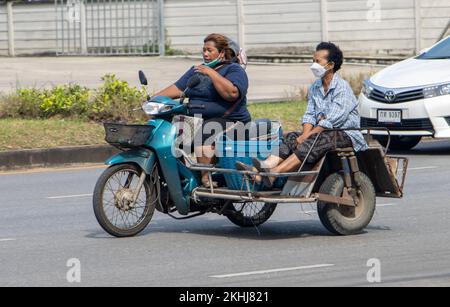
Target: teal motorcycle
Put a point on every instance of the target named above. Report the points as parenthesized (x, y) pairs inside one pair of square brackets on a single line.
[(151, 173)]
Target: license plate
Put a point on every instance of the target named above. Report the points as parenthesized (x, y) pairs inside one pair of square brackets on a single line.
[(389, 116)]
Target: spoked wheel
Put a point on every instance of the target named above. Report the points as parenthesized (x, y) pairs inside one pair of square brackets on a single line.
[(345, 220), (113, 200), (250, 214)]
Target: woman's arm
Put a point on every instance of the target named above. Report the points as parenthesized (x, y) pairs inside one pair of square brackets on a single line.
[(172, 92), (224, 87)]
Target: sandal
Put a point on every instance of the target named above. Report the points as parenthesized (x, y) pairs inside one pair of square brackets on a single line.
[(207, 184), (268, 181), (244, 167)]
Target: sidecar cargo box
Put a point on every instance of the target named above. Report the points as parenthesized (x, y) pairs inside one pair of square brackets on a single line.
[(387, 173), (263, 139)]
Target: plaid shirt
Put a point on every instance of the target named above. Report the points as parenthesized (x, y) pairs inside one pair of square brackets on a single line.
[(338, 107)]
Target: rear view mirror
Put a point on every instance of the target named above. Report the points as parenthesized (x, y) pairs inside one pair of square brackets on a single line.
[(143, 78)]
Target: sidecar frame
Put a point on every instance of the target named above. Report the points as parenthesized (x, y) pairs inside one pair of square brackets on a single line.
[(303, 186)]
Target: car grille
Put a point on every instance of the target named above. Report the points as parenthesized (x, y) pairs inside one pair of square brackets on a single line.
[(405, 125), (412, 95)]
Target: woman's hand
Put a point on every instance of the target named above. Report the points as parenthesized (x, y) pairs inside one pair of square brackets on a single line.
[(300, 140), (224, 87), (205, 70)]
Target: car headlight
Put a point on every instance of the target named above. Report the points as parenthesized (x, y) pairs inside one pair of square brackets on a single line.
[(154, 108), (367, 89), (436, 90)]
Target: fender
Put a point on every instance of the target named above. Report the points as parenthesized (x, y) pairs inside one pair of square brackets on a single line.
[(145, 158)]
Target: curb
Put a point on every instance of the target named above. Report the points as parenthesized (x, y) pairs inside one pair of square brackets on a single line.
[(277, 59), (20, 159)]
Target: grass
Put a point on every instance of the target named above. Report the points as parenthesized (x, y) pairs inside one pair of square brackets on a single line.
[(17, 134), (289, 113)]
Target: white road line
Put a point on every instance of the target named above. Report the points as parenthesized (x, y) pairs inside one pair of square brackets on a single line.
[(386, 205), (421, 168), (69, 196), (7, 240), (273, 271)]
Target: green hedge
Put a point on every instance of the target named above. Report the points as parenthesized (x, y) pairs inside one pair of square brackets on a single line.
[(113, 100)]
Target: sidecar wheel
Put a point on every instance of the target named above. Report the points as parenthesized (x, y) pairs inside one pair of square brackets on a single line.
[(344, 220), (111, 196), (250, 214)]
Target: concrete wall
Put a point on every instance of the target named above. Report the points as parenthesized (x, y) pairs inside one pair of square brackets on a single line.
[(367, 27)]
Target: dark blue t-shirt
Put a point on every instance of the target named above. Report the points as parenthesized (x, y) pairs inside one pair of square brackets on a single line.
[(206, 95)]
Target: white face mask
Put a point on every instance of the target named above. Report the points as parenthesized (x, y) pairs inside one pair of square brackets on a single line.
[(318, 70)]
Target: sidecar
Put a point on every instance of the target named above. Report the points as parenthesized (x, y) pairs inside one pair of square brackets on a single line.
[(344, 184)]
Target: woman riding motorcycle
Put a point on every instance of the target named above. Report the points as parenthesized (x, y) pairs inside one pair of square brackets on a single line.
[(221, 96)]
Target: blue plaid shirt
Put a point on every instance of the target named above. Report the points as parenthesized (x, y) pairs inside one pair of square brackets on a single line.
[(338, 106)]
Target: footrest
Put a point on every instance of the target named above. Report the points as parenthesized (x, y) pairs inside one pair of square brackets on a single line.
[(346, 149)]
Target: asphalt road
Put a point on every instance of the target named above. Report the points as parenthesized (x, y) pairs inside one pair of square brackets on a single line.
[(46, 218), (269, 82)]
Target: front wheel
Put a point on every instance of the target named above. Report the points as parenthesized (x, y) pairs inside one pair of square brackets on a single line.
[(345, 220), (113, 200), (250, 214)]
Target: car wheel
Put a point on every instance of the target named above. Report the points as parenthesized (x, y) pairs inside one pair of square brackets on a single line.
[(399, 142)]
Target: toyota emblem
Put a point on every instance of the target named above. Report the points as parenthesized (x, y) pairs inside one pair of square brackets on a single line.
[(390, 96)]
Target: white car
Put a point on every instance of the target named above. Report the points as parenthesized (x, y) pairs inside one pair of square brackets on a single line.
[(410, 98)]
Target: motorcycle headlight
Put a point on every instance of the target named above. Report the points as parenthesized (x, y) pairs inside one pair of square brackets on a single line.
[(154, 108), (366, 89), (436, 90)]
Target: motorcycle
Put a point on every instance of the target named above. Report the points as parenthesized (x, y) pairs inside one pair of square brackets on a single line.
[(150, 174)]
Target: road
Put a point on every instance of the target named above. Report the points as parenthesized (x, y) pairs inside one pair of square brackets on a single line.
[(47, 219), (268, 82)]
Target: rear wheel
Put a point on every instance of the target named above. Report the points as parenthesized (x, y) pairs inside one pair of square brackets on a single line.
[(250, 214), (345, 220), (399, 142), (113, 196)]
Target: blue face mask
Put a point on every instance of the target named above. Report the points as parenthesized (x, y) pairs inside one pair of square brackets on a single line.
[(213, 63)]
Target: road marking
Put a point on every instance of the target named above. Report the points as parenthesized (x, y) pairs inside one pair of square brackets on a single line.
[(421, 168), (7, 240), (273, 271), (53, 170), (386, 205), (69, 196)]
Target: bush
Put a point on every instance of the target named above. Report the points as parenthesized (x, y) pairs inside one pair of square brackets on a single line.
[(114, 100), (69, 100), (25, 103), (356, 81)]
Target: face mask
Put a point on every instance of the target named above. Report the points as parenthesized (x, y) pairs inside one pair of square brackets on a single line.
[(318, 70), (213, 63)]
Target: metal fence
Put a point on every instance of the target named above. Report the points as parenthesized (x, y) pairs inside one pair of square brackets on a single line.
[(108, 27)]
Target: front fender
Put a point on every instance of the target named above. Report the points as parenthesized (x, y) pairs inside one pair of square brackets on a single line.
[(145, 158)]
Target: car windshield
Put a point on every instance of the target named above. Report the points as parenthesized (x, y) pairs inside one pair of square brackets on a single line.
[(440, 51)]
